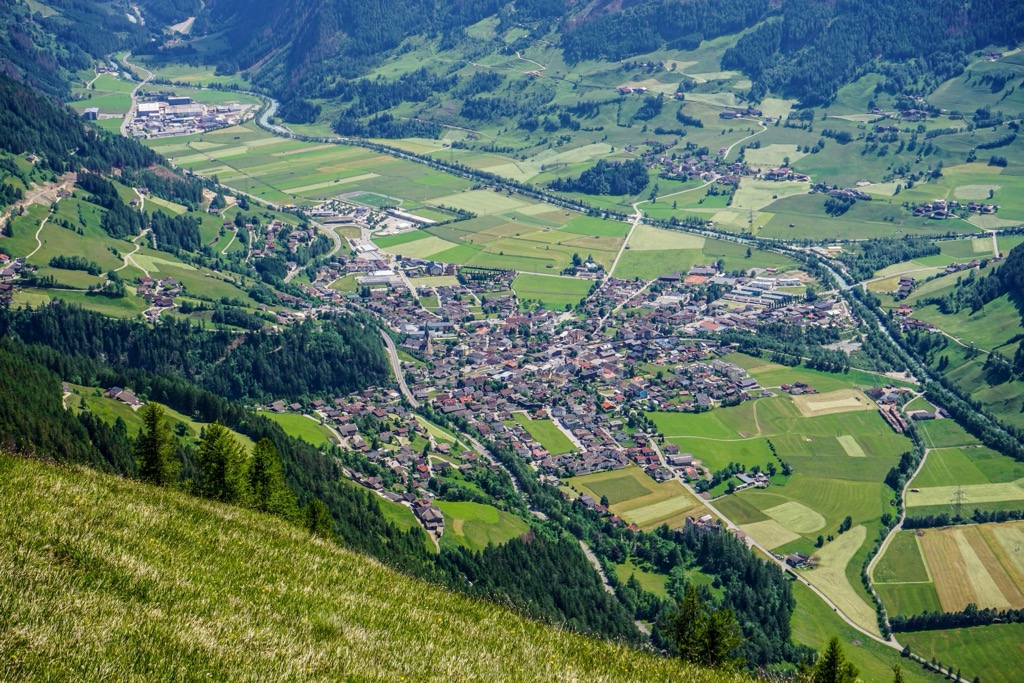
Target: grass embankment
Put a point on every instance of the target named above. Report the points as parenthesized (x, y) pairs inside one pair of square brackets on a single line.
[(106, 579)]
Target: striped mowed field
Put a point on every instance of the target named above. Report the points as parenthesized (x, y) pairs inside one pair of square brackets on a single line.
[(639, 499), (980, 564)]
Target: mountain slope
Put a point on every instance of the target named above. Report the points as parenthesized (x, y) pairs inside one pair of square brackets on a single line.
[(148, 583), (802, 49)]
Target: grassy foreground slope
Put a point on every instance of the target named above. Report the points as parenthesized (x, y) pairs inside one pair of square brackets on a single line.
[(106, 579)]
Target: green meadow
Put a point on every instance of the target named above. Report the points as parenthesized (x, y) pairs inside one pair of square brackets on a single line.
[(475, 526), (546, 432), (262, 595), (555, 293), (302, 427)]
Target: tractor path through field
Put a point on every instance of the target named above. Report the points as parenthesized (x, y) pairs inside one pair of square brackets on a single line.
[(42, 224), (234, 234), (757, 423), (128, 260), (324, 423), (899, 525), (995, 244), (728, 150), (638, 217), (540, 67)]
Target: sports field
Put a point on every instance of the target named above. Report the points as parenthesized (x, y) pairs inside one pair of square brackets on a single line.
[(474, 526), (639, 499), (952, 567)]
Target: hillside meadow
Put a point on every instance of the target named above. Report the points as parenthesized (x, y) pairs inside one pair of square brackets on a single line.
[(106, 579)]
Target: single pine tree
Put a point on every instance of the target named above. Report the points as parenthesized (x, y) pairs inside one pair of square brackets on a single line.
[(267, 486), (220, 461), (154, 449)]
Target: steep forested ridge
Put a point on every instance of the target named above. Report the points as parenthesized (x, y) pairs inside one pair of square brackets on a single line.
[(308, 47), (46, 51), (813, 48), (300, 49), (648, 26), (343, 354), (553, 578), (31, 122)]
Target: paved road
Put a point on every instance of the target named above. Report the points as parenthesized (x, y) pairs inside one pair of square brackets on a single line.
[(134, 94), (592, 558), (396, 367), (768, 553), (771, 556)]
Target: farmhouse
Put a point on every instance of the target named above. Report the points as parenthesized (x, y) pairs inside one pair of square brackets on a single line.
[(126, 396)]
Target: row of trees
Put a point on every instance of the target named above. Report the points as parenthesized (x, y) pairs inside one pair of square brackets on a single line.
[(977, 517), (873, 255)]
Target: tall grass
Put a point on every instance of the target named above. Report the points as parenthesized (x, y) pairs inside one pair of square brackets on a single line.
[(106, 579)]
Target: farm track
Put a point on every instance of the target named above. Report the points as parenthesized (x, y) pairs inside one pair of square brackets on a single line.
[(128, 260), (42, 224)]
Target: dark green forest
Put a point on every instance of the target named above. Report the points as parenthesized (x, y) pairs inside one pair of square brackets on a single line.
[(31, 122), (614, 178), (811, 49), (45, 51), (340, 355)]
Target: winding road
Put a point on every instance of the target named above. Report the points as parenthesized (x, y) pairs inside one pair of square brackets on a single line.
[(42, 224), (134, 94)]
